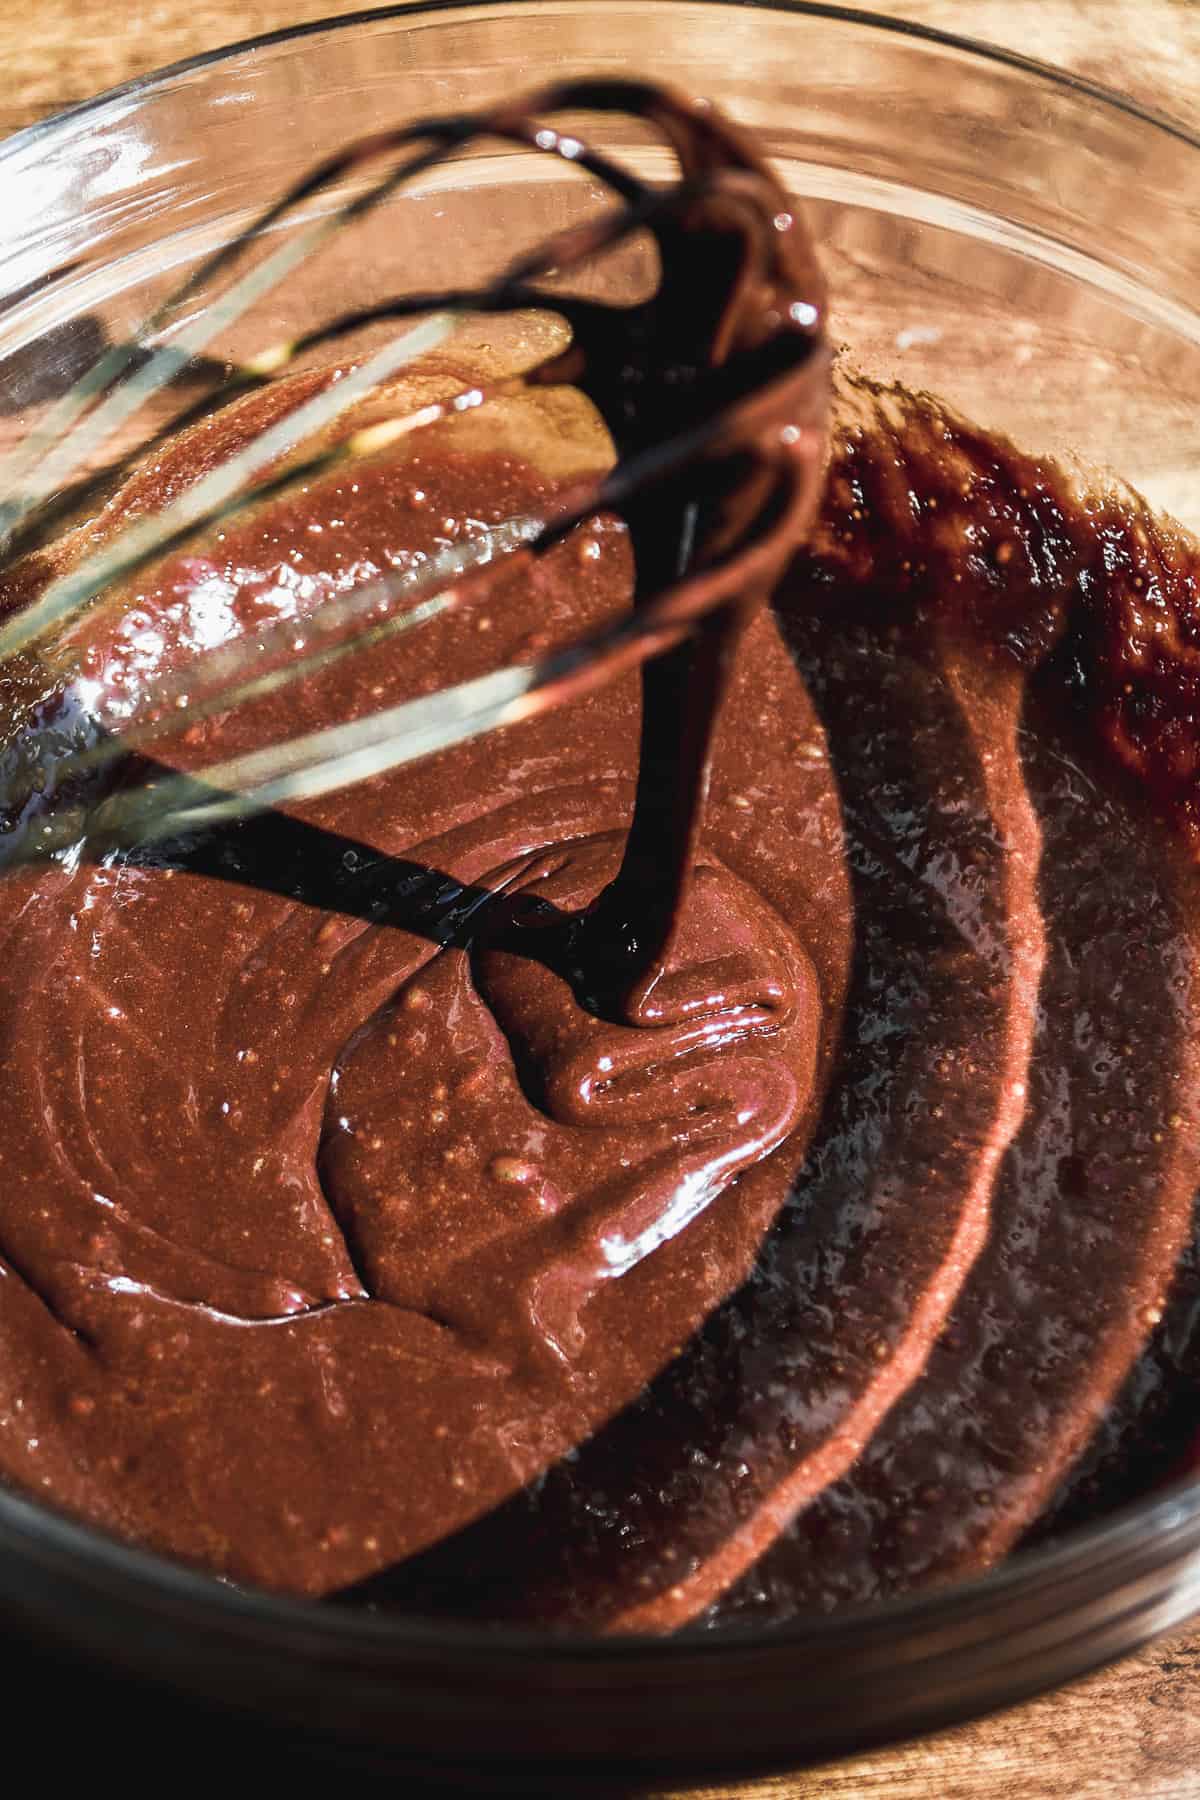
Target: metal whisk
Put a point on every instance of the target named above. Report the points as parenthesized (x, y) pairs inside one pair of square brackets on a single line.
[(713, 391)]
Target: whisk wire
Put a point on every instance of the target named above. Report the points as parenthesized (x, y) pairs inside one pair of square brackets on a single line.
[(60, 444), (212, 497), (360, 619), (319, 762)]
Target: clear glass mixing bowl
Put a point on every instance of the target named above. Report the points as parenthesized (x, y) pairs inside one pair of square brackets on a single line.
[(1016, 240)]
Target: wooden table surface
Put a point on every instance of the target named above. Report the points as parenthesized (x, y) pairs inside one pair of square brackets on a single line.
[(1134, 1730)]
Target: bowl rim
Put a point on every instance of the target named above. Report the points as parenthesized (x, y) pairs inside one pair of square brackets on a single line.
[(1067, 80), (50, 1541)]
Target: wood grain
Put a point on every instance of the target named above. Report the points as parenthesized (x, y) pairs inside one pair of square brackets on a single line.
[(1132, 1731)]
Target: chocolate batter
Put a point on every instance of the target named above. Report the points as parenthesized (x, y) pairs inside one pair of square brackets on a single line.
[(453, 1193)]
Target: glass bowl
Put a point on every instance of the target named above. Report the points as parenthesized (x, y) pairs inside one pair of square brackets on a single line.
[(1014, 239)]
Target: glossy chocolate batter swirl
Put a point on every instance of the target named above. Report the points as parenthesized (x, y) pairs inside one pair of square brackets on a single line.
[(716, 1148)]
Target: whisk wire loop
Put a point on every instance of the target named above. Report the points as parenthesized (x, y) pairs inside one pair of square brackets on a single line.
[(721, 394)]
